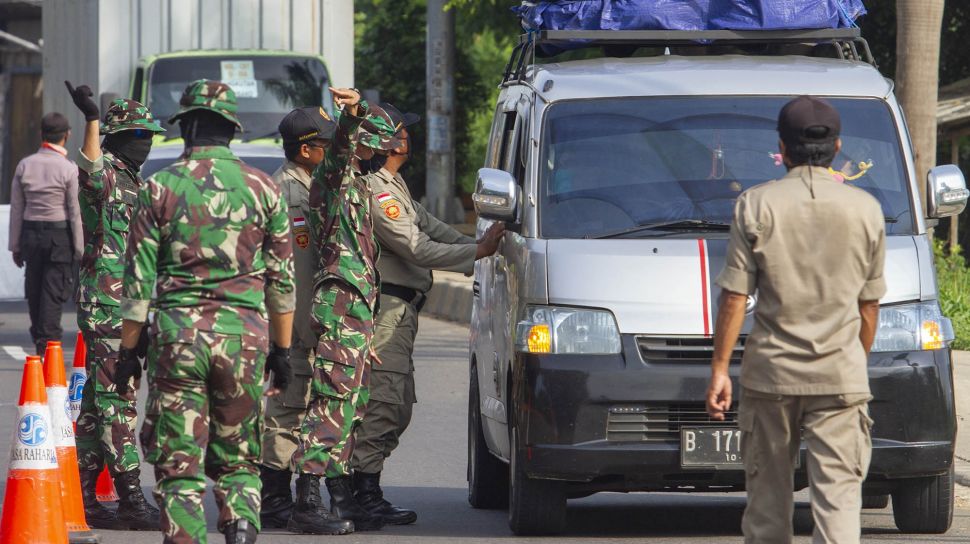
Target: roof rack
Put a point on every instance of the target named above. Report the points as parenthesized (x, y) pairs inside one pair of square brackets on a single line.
[(848, 43)]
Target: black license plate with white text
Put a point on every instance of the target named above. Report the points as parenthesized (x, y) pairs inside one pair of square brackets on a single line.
[(710, 447)]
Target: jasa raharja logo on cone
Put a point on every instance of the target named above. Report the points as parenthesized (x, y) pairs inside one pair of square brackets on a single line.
[(75, 390), (34, 447), (33, 430)]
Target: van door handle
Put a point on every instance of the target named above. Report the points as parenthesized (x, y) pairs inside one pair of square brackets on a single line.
[(476, 289)]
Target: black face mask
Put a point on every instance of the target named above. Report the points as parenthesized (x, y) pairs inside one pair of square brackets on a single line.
[(206, 128), (372, 164), (131, 150)]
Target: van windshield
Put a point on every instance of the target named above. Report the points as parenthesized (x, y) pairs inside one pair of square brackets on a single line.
[(267, 87), (613, 164)]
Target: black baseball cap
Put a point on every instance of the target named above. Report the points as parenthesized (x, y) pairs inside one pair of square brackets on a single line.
[(305, 124), (401, 120), (54, 123), (808, 119)]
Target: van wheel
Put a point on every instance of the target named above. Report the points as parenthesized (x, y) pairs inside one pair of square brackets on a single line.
[(488, 477), (536, 507), (875, 502), (924, 505)]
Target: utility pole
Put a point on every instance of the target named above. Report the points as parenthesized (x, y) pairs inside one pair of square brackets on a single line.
[(440, 194)]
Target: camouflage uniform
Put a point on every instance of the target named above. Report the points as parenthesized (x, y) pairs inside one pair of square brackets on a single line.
[(108, 190), (285, 412), (212, 236), (344, 300)]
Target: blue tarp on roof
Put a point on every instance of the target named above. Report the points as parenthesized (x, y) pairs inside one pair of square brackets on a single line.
[(689, 14)]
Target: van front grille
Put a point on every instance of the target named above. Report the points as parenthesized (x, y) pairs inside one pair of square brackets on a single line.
[(659, 422), (689, 349)]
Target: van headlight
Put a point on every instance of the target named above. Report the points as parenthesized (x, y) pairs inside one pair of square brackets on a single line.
[(911, 327), (551, 329)]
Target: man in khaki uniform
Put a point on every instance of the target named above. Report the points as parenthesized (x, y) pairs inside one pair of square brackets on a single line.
[(412, 242), (305, 133), (813, 249)]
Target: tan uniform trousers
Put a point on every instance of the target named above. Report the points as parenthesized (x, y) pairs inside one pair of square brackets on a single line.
[(285, 413), (392, 394), (836, 431)]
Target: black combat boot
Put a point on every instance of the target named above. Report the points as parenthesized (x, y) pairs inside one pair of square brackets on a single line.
[(371, 497), (95, 513), (134, 512), (240, 532), (344, 505), (309, 516), (277, 501)]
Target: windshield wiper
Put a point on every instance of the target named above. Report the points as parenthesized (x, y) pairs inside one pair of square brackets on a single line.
[(683, 224)]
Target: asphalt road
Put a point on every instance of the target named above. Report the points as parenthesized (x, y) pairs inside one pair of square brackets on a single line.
[(427, 472)]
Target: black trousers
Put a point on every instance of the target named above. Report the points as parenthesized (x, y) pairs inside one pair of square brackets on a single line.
[(47, 253)]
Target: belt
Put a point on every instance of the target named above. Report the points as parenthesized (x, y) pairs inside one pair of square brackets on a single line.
[(411, 296), (44, 225)]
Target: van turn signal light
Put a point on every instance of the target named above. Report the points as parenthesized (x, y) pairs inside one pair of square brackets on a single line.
[(540, 339), (932, 335)]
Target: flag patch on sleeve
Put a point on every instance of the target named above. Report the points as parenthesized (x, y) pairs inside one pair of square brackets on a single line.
[(299, 222)]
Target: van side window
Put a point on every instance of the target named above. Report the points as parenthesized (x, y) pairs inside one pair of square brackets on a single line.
[(508, 149), (494, 152)]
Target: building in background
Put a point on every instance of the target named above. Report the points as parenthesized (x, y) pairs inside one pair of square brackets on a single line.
[(21, 87)]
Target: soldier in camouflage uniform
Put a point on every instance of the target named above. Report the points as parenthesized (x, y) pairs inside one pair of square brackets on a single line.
[(343, 320), (211, 236), (109, 182), (306, 133)]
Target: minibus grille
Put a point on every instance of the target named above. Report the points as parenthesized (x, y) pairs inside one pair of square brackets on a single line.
[(659, 422), (689, 349)]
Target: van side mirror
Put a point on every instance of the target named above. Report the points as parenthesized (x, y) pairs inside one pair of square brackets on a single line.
[(496, 195), (946, 191)]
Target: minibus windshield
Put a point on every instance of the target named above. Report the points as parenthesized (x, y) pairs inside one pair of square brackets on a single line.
[(609, 165)]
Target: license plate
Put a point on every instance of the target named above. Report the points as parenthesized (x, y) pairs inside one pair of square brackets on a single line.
[(710, 447)]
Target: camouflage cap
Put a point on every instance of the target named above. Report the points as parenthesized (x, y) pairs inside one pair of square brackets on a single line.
[(378, 130), (127, 114), (206, 94)]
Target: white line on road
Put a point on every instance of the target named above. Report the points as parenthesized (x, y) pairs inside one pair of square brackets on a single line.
[(17, 353)]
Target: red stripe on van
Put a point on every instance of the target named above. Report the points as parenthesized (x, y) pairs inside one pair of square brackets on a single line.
[(705, 289)]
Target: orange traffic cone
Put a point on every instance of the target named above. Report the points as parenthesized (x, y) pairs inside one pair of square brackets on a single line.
[(32, 503), (79, 376), (78, 531)]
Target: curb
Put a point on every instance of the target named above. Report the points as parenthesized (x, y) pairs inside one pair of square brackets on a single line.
[(450, 300)]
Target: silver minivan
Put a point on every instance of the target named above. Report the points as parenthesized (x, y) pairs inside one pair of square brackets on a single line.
[(591, 330)]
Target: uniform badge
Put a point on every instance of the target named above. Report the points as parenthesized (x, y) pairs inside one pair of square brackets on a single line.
[(390, 205), (301, 233)]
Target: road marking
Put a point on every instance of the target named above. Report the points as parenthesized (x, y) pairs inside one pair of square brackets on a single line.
[(17, 353)]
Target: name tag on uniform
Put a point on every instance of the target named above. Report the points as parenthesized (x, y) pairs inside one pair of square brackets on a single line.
[(301, 233)]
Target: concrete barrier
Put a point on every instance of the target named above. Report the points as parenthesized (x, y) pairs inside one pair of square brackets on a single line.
[(450, 298)]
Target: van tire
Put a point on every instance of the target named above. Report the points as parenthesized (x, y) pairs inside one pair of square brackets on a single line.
[(536, 507), (488, 476), (924, 505)]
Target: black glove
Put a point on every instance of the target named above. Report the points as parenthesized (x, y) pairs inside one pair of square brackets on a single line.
[(126, 368), (82, 99), (141, 348), (278, 362)]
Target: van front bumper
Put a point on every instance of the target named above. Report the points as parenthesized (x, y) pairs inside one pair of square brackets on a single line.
[(564, 404)]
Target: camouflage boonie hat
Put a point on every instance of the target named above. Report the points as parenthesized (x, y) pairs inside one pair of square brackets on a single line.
[(378, 130), (205, 94), (127, 114)]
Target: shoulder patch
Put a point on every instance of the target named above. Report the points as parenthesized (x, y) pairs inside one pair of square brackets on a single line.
[(392, 209)]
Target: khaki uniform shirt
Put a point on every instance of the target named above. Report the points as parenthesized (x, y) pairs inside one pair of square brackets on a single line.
[(412, 240), (812, 248), (294, 183)]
